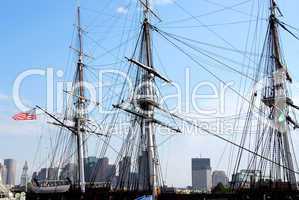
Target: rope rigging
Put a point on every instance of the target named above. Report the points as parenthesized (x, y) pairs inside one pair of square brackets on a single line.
[(132, 151)]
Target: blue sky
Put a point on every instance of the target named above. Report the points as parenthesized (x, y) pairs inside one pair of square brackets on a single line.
[(37, 34)]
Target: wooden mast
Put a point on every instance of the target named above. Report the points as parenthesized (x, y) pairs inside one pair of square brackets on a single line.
[(80, 117), (147, 99), (280, 112)]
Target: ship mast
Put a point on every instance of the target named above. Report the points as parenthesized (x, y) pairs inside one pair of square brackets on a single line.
[(272, 139), (143, 105), (80, 108), (280, 106), (147, 99)]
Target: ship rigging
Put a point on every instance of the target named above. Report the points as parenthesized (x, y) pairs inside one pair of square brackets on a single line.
[(137, 168)]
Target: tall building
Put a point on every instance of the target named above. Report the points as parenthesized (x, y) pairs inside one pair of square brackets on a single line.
[(34, 176), (1, 173), (42, 174), (111, 172), (90, 168), (4, 174), (11, 166), (101, 169), (124, 171), (69, 172), (52, 173), (219, 177), (143, 174), (245, 178), (24, 176), (201, 174)]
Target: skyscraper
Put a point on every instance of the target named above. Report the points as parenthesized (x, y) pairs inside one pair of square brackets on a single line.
[(70, 172), (90, 168), (11, 166), (52, 173), (111, 171), (24, 176), (219, 177), (201, 174), (42, 174), (101, 169), (1, 173), (142, 171), (124, 171)]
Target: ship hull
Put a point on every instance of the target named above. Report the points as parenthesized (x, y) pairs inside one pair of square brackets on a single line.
[(104, 194)]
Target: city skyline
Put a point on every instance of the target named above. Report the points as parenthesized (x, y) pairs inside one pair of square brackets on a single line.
[(99, 170)]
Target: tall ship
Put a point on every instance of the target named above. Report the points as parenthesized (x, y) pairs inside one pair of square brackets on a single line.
[(137, 110), (271, 165)]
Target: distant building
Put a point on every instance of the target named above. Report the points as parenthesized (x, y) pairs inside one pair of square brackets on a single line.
[(42, 174), (143, 172), (34, 176), (111, 172), (219, 177), (2, 174), (133, 177), (90, 168), (69, 172), (52, 173), (245, 178), (101, 169), (24, 176), (11, 166), (124, 172), (201, 174), (96, 170)]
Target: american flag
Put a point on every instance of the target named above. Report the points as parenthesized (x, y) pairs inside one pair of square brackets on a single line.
[(29, 115)]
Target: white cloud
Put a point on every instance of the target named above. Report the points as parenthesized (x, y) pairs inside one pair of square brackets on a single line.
[(162, 2), (122, 10)]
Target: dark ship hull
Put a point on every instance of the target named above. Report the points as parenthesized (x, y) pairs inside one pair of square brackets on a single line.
[(107, 194), (90, 194)]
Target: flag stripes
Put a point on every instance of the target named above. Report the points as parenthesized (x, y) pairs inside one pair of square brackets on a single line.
[(30, 115)]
